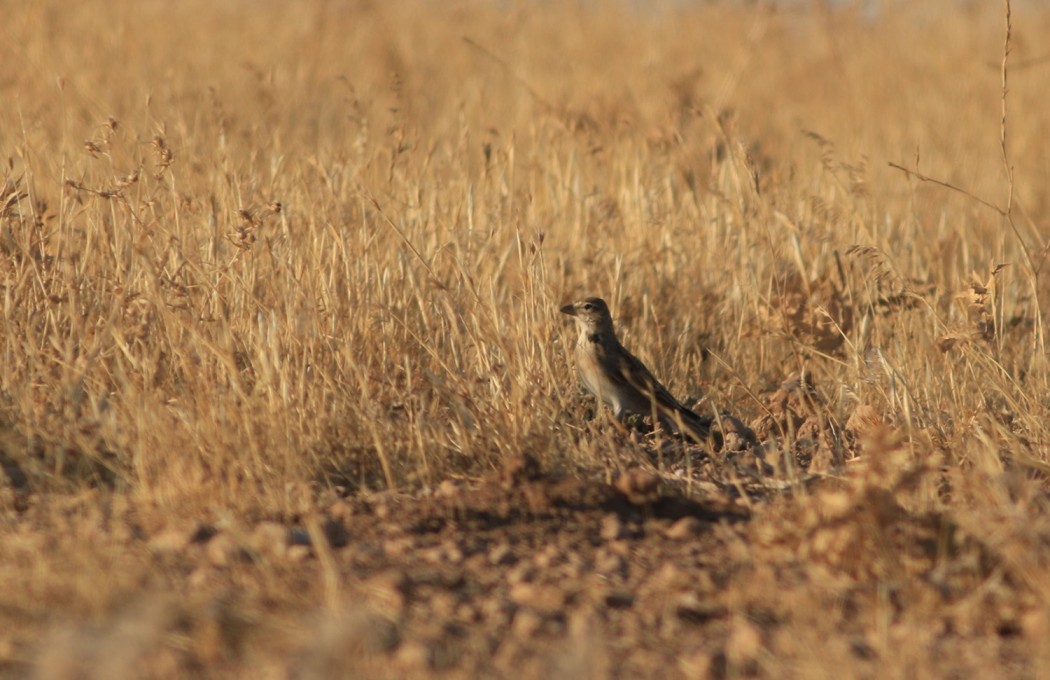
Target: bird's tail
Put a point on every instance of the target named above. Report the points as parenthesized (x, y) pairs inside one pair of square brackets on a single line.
[(690, 425)]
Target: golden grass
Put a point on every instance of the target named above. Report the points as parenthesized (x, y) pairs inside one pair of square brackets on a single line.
[(253, 255)]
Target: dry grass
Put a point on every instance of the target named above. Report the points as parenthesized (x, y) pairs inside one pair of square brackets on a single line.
[(254, 256)]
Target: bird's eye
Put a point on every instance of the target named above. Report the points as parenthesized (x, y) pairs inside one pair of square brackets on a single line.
[(588, 306)]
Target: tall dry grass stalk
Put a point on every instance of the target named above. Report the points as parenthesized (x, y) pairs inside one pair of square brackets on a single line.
[(331, 240)]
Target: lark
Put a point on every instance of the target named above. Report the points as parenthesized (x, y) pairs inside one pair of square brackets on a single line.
[(620, 379)]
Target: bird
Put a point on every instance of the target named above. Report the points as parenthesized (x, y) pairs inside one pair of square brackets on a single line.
[(618, 378)]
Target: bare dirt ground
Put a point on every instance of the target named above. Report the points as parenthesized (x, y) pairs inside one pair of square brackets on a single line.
[(531, 573)]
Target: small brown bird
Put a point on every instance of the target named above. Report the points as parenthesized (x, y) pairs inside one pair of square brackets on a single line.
[(620, 379)]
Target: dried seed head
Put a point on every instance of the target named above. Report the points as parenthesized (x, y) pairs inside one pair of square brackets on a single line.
[(129, 178)]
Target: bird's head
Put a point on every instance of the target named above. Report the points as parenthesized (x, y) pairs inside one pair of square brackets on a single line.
[(591, 314)]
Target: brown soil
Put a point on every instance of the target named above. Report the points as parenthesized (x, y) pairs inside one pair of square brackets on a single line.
[(530, 574)]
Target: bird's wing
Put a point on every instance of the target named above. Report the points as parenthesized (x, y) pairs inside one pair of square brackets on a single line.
[(636, 374), (630, 370)]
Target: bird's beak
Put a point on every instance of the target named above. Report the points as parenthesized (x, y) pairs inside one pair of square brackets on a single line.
[(568, 309)]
